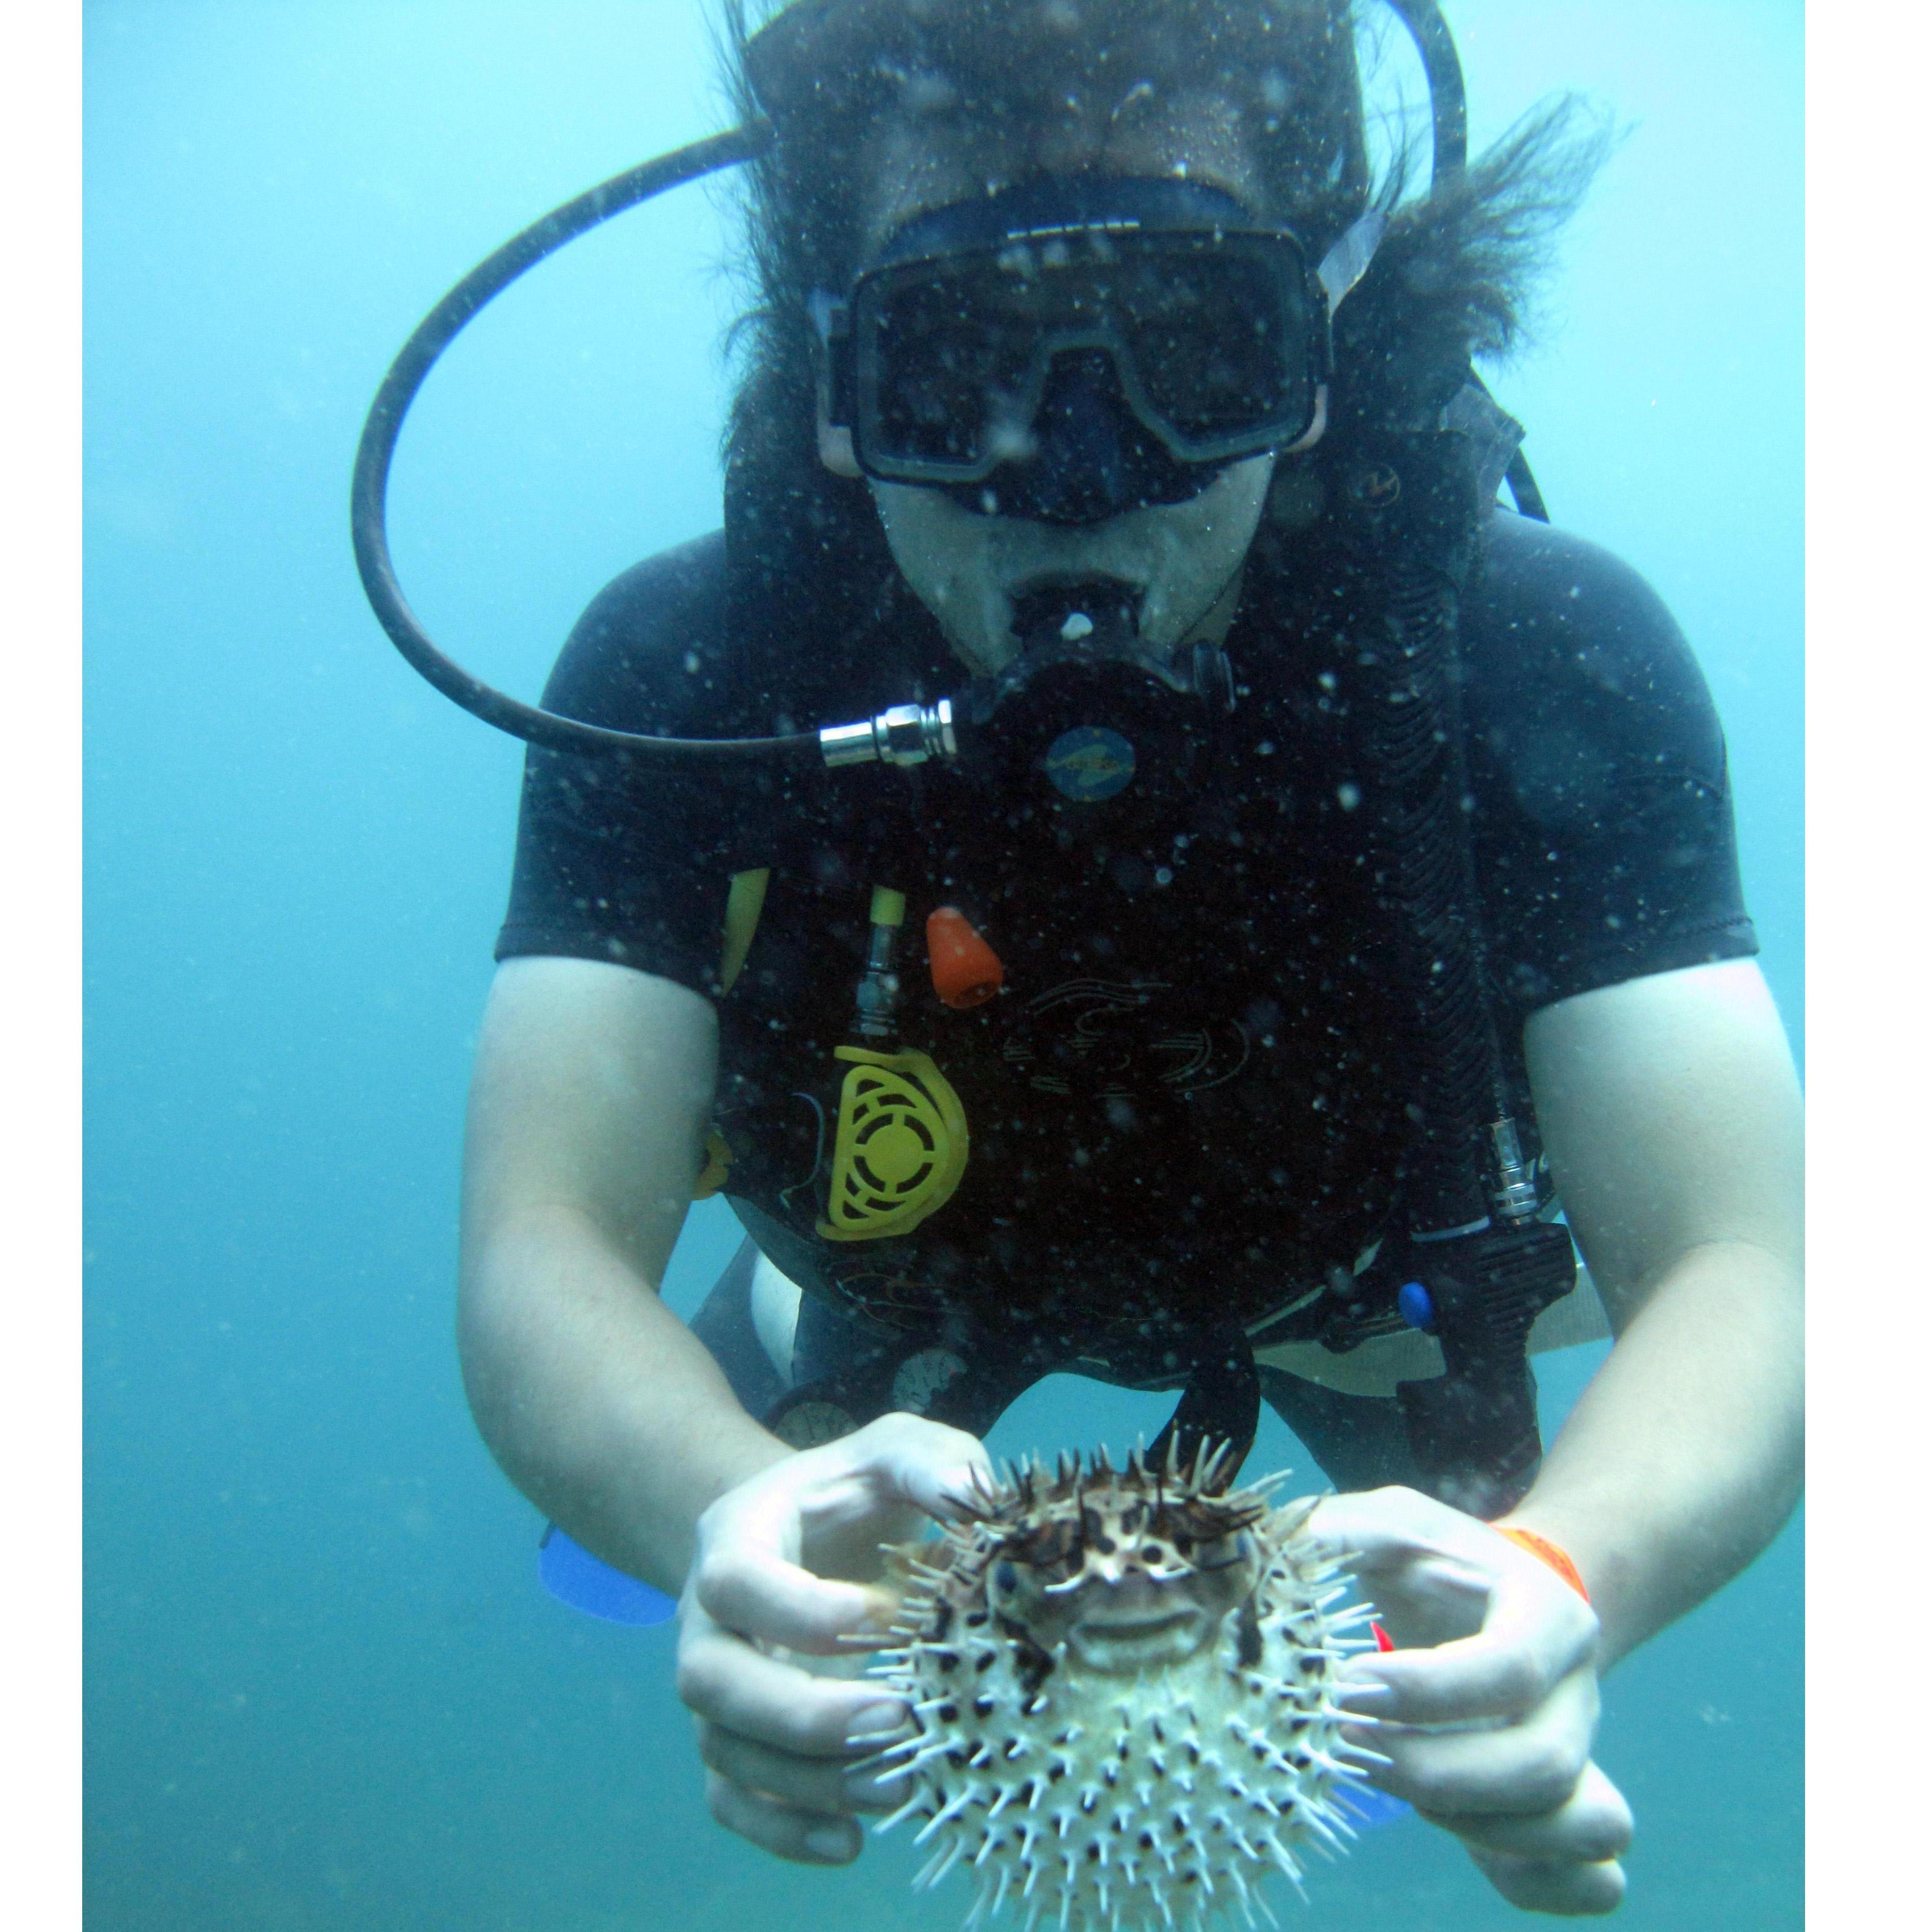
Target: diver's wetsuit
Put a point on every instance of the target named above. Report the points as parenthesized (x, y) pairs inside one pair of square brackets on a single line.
[(1189, 1101)]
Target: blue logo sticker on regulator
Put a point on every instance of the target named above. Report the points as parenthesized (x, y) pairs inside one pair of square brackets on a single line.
[(1090, 763)]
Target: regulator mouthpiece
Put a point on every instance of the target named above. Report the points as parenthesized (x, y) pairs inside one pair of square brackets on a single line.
[(1092, 625)]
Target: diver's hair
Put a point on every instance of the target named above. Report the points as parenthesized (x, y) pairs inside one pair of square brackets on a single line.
[(1452, 280), (1455, 279)]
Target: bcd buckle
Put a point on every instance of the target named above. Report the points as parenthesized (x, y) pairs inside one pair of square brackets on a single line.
[(901, 1147), (1473, 1428)]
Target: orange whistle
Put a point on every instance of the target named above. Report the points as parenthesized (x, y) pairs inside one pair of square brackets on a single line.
[(965, 969)]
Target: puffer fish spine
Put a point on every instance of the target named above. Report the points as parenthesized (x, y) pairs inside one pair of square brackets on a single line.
[(1124, 1688)]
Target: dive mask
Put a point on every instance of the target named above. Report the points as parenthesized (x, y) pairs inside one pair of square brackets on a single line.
[(950, 354)]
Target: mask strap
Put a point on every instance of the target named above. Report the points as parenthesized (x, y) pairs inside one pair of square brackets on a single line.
[(1347, 262)]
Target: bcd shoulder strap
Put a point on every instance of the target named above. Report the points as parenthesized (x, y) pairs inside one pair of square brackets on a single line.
[(1405, 507)]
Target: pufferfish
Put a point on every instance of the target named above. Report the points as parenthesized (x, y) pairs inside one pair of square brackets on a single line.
[(1125, 1693)]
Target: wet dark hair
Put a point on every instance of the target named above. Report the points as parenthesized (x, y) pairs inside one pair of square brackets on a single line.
[(1451, 281)]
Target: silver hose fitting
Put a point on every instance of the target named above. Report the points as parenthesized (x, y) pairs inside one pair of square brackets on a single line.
[(908, 734), (1515, 1192)]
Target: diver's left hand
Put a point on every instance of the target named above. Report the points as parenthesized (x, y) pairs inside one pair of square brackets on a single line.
[(1491, 1707)]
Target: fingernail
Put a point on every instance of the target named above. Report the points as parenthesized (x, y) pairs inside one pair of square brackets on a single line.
[(1355, 1687), (831, 1842), (1363, 1671), (875, 1723), (875, 1790), (880, 1611)]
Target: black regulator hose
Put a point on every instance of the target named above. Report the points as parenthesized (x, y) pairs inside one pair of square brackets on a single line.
[(369, 496), (1449, 157), (1448, 103), (907, 734)]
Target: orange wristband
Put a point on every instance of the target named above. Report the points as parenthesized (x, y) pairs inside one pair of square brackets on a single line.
[(1543, 1549)]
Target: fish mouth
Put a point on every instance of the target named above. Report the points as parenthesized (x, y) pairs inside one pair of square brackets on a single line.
[(1148, 1625), (1124, 1643)]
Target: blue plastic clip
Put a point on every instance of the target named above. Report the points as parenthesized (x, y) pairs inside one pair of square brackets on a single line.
[(1418, 1310)]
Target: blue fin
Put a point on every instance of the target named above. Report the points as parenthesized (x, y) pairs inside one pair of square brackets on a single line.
[(573, 1575)]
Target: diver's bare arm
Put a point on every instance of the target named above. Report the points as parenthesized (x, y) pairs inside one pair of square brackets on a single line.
[(591, 1088), (1671, 1112)]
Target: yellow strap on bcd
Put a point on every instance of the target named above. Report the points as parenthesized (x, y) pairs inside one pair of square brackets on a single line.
[(742, 904), (717, 1165), (901, 1148)]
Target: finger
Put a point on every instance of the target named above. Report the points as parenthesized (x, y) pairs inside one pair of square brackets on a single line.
[(1375, 1527), (743, 1585), (1593, 1825), (828, 1786), (1520, 1770), (1421, 1563), (773, 1702), (806, 1836), (924, 1463), (1530, 1640), (1570, 1891), (749, 1575)]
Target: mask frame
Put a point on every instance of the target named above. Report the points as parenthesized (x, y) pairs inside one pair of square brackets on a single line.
[(1070, 246)]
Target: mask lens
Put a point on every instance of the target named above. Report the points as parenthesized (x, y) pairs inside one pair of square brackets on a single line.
[(1212, 335), (946, 360), (1220, 341)]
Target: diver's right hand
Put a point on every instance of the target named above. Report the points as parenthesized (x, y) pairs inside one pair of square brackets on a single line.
[(789, 1561)]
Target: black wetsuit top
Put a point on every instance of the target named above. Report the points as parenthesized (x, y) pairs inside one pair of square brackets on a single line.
[(1191, 1095)]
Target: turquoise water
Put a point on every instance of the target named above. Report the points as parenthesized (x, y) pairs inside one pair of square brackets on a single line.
[(324, 1688)]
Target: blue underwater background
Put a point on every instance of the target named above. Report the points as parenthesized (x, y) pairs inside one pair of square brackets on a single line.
[(325, 1689)]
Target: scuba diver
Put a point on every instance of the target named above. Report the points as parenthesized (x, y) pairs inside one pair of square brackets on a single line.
[(1267, 876)]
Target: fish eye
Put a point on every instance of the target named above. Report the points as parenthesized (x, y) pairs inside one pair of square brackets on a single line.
[(1151, 1554), (1006, 1578)]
